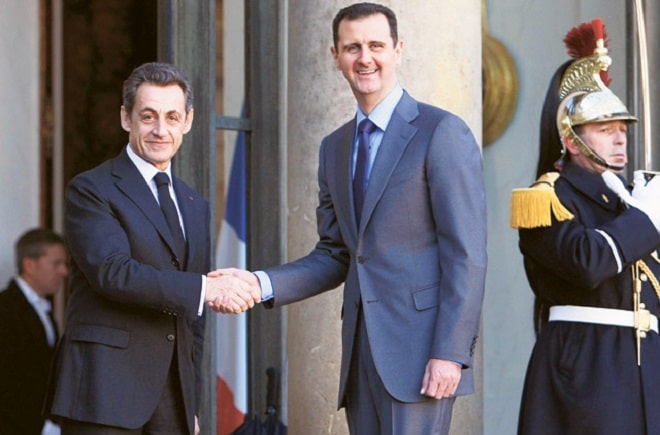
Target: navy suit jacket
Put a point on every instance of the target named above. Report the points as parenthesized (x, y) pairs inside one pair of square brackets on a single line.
[(25, 358), (417, 262), (133, 302)]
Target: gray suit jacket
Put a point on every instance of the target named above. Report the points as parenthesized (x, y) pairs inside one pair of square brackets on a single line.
[(133, 306), (417, 262)]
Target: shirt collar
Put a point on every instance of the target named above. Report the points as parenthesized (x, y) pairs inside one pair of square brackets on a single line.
[(33, 298), (147, 170), (383, 111)]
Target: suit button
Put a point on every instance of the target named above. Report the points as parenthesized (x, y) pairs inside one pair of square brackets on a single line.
[(360, 259), (170, 337), (175, 263)]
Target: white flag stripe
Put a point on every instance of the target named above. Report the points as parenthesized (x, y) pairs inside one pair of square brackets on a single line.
[(232, 329)]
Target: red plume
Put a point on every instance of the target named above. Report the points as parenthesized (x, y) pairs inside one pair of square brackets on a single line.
[(599, 28), (580, 42)]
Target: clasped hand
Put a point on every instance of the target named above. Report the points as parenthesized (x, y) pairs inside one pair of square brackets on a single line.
[(232, 291)]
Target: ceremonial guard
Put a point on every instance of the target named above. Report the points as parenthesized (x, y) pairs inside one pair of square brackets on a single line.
[(589, 242)]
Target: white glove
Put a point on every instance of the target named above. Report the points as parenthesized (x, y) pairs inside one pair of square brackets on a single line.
[(645, 196), (647, 193), (615, 183)]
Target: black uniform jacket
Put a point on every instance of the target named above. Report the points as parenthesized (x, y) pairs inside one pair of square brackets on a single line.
[(583, 378)]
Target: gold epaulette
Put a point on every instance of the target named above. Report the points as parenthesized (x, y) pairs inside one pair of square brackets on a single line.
[(534, 206)]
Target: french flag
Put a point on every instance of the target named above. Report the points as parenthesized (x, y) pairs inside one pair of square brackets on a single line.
[(231, 332)]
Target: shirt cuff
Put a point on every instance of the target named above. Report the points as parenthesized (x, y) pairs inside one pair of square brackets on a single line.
[(266, 285), (202, 298)]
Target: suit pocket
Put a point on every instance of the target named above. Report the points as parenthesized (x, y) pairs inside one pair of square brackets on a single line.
[(426, 298), (571, 342), (100, 334)]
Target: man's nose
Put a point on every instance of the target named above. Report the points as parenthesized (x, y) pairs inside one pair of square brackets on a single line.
[(365, 55), (159, 128), (621, 137)]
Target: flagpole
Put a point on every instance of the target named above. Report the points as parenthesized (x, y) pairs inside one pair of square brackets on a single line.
[(644, 85)]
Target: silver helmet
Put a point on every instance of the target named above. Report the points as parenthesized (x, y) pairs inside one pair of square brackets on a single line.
[(585, 98)]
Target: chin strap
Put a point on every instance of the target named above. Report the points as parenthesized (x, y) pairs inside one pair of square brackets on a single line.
[(587, 151), (601, 162)]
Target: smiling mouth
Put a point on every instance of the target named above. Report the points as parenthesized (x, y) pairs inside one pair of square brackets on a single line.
[(159, 146)]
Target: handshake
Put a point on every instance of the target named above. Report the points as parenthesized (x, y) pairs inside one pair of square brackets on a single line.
[(232, 291)]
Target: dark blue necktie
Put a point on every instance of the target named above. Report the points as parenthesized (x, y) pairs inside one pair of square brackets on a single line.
[(169, 210), (365, 129)]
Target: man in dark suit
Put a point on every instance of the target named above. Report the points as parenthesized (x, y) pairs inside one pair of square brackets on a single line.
[(27, 331), (410, 246), (129, 360)]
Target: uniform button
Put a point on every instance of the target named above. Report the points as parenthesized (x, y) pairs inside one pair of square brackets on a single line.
[(643, 277), (360, 259), (175, 263), (170, 337)]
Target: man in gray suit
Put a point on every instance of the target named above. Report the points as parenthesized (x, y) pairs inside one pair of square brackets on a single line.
[(402, 223)]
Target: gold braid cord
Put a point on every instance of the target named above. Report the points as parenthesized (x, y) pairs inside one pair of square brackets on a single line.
[(651, 276)]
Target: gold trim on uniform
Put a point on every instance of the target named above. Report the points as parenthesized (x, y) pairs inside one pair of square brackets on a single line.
[(535, 206)]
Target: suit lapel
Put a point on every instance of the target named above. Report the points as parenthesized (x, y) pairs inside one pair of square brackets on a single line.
[(130, 182), (398, 135)]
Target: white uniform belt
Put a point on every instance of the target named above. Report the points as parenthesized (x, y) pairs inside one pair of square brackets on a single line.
[(600, 316)]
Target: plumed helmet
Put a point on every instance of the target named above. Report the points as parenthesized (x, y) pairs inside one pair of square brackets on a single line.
[(583, 92)]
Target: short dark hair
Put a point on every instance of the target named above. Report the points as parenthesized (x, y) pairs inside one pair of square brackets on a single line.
[(33, 243), (157, 73), (361, 10)]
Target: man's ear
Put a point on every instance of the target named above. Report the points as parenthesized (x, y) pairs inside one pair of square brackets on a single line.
[(398, 50), (571, 147), (29, 265), (335, 55), (189, 120), (125, 119)]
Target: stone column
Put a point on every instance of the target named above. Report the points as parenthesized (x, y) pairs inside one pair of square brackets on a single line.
[(441, 65), (21, 155)]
